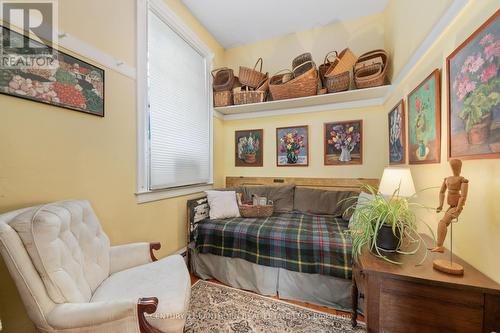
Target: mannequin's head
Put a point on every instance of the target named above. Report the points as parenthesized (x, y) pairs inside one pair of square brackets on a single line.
[(456, 166)]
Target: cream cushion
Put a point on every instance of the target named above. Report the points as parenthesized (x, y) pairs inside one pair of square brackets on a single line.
[(167, 279), (222, 204), (68, 248)]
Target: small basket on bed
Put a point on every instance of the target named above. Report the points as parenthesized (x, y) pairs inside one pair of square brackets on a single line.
[(247, 210)]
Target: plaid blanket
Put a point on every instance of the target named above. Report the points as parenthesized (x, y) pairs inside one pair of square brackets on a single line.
[(295, 241)]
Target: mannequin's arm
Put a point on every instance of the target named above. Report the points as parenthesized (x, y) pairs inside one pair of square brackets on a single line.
[(441, 196), (464, 189)]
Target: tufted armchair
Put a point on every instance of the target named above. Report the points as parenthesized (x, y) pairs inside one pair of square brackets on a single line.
[(71, 280)]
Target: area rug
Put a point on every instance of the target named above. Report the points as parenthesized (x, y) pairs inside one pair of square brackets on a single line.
[(217, 308)]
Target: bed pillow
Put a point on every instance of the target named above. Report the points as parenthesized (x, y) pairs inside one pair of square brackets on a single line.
[(322, 202), (281, 195), (363, 198), (222, 204)]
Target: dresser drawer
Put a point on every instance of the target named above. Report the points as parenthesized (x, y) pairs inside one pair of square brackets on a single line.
[(413, 307)]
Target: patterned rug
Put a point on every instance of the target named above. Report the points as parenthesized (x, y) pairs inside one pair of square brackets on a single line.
[(215, 308)]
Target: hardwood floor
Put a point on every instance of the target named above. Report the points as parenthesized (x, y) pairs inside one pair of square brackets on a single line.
[(325, 309)]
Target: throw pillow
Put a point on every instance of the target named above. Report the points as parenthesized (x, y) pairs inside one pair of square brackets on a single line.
[(363, 199), (323, 202), (222, 204)]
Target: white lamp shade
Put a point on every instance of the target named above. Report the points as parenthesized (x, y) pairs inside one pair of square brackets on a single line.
[(394, 178)]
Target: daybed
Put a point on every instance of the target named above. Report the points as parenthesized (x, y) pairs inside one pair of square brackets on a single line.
[(301, 252)]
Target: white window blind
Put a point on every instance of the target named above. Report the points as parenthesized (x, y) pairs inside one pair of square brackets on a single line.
[(179, 110)]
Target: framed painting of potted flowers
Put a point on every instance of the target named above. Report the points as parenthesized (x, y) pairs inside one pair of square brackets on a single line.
[(292, 146), (474, 94), (343, 143), (249, 146), (424, 121), (397, 134)]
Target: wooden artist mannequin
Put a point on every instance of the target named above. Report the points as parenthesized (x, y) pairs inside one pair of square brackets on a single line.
[(457, 187)]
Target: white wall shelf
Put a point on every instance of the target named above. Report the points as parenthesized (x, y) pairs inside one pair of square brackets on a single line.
[(358, 98)]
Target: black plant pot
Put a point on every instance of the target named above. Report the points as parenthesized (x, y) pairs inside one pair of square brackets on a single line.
[(387, 240)]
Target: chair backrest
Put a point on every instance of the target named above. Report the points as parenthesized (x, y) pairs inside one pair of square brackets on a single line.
[(68, 248), (56, 253)]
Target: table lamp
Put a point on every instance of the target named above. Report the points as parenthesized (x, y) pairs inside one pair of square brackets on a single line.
[(397, 181)]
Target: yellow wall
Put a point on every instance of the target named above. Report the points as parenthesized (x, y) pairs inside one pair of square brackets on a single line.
[(407, 23), (49, 154), (361, 35), (477, 236)]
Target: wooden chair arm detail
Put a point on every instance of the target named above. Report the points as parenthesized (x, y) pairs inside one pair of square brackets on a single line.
[(153, 246), (147, 305)]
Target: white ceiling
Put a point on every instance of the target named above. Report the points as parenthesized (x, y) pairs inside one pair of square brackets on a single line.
[(238, 22)]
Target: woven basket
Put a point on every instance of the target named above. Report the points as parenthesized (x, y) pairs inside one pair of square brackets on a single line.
[(323, 68), (251, 77), (256, 211), (223, 98), (344, 63), (223, 79), (300, 59), (264, 86), (339, 82), (281, 77), (371, 69), (248, 96), (371, 58), (301, 86), (302, 68)]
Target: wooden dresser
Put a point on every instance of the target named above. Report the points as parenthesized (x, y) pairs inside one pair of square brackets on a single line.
[(410, 298)]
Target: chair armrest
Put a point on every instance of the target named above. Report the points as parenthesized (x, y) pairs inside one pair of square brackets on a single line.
[(89, 315), (126, 256)]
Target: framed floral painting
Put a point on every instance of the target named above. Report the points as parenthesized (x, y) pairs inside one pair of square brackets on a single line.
[(249, 146), (424, 121), (474, 94), (343, 143), (397, 134), (292, 146)]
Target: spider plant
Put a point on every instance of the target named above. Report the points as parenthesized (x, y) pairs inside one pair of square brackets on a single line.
[(373, 214)]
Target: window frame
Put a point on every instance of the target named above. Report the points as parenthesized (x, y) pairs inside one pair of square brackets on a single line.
[(143, 191)]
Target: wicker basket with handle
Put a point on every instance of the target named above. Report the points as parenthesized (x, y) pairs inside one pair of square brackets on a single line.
[(256, 211), (323, 68), (223, 79), (251, 77), (371, 69), (344, 63), (301, 86), (339, 82)]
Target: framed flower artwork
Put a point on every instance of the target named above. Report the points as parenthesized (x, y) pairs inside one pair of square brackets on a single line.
[(424, 121), (292, 146), (397, 134), (249, 148), (474, 94), (343, 143)]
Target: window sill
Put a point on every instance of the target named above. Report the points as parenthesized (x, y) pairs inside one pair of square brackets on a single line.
[(149, 196)]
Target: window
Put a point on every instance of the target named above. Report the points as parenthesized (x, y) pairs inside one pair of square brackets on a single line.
[(175, 113)]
